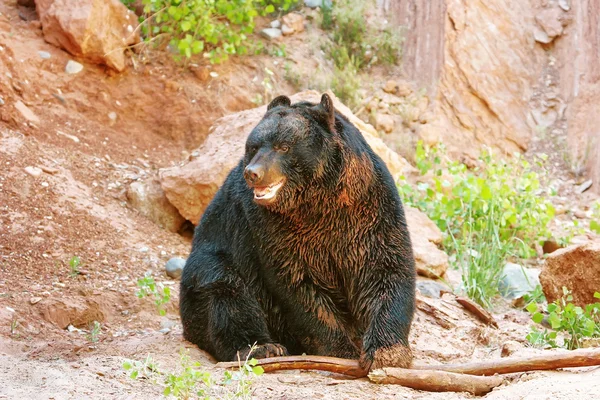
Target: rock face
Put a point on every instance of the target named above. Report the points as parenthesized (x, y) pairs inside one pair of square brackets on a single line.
[(96, 30), (426, 236), (480, 63), (191, 187), (149, 199), (575, 267)]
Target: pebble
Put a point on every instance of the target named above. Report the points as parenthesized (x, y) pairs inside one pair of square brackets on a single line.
[(1, 101), (271, 33), (44, 55), (275, 24), (73, 67), (144, 249), (35, 300), (517, 281), (112, 116), (430, 288), (33, 171), (286, 30), (317, 3), (174, 267)]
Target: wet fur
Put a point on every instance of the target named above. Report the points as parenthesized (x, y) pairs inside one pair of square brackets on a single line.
[(327, 270)]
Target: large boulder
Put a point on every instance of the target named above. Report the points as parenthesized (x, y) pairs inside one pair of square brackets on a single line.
[(426, 237), (191, 187), (575, 267), (96, 30), (149, 199)]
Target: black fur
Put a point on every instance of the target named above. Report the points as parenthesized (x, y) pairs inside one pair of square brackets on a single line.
[(327, 269)]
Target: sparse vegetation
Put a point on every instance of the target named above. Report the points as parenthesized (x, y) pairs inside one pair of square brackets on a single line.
[(74, 264), (487, 215), (216, 29), (160, 293), (189, 381), (595, 222), (95, 330), (571, 325)]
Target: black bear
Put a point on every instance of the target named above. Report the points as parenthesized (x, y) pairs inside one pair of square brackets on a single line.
[(304, 248)]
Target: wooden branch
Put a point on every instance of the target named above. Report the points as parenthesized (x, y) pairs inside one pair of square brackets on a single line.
[(554, 360), (477, 311), (436, 381), (321, 363)]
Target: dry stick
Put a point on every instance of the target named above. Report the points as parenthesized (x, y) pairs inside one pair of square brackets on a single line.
[(321, 363), (570, 359), (436, 381)]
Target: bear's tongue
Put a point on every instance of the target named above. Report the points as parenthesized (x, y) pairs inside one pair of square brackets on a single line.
[(267, 192)]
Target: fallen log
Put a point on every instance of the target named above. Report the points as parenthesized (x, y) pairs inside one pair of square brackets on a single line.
[(436, 381), (443, 377), (554, 360)]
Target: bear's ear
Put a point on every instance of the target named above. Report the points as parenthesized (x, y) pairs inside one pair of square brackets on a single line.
[(327, 107), (283, 101)]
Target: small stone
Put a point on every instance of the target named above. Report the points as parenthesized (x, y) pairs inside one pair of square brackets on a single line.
[(35, 300), (144, 249), (202, 73), (517, 281), (550, 246), (584, 186), (384, 122), (112, 116), (271, 33), (73, 67), (33, 171), (174, 267), (44, 55), (564, 4), (579, 214), (45, 184), (430, 288), (26, 112), (275, 24), (390, 86), (317, 3), (510, 347), (404, 89), (294, 21), (286, 30), (1, 101)]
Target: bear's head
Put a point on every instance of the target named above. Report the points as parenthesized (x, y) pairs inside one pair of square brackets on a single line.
[(289, 150)]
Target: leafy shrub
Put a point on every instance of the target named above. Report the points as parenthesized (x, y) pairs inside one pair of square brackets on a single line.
[(595, 222), (575, 323), (148, 287), (216, 28), (354, 39), (488, 214)]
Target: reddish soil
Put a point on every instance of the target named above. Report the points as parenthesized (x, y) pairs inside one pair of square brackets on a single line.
[(77, 207)]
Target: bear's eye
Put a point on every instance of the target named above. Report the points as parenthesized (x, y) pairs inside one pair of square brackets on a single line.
[(284, 148)]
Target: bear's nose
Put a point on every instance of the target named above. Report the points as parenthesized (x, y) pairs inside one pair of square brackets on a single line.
[(253, 173)]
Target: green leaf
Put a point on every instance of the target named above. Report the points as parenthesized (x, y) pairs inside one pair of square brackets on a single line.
[(597, 295), (252, 362), (186, 26), (127, 365), (269, 9), (258, 370), (537, 317), (532, 308), (595, 226), (134, 374), (554, 320)]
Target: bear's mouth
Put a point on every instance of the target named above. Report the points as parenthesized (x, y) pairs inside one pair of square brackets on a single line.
[(266, 194)]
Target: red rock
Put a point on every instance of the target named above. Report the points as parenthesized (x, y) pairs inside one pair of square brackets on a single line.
[(577, 268), (426, 236), (95, 30), (294, 21)]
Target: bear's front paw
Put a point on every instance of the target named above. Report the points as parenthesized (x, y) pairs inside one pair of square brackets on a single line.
[(394, 356), (263, 351)]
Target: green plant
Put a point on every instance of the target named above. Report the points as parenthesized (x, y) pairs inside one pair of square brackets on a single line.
[(267, 84), (536, 296), (345, 84), (354, 39), (189, 380), (148, 287), (487, 214), (215, 28), (95, 330), (74, 264), (576, 324)]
